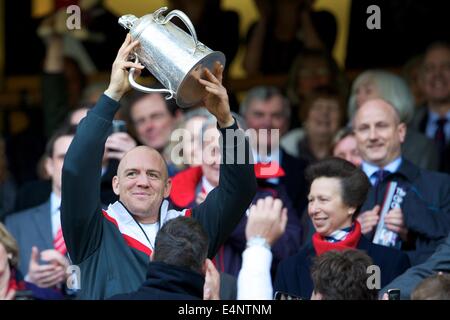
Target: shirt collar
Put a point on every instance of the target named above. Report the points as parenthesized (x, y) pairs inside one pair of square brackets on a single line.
[(369, 169), (55, 203), (433, 116), (208, 186)]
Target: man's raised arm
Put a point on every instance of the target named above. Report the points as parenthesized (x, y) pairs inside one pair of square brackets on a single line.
[(80, 203), (225, 205)]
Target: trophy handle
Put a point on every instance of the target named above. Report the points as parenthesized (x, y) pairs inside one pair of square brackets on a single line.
[(145, 89), (181, 15)]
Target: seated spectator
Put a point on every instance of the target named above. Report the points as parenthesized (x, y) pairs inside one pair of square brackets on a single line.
[(436, 287), (152, 119), (283, 30), (178, 264), (373, 84), (190, 188), (342, 275), (338, 189), (346, 147), (322, 115), (266, 223), (7, 185), (12, 284)]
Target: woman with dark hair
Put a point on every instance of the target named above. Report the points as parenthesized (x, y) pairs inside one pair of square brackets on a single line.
[(338, 189)]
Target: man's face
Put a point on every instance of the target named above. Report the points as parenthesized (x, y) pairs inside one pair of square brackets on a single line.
[(436, 75), (152, 121), (315, 73), (55, 163), (378, 132), (142, 182), (268, 115), (211, 155), (324, 118)]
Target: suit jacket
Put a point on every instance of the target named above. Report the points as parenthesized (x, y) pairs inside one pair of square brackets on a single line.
[(294, 273), (294, 180), (426, 208), (439, 261), (31, 227), (419, 123)]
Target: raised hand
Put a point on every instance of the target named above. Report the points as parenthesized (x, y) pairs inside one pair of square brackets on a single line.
[(119, 84), (267, 219), (216, 99)]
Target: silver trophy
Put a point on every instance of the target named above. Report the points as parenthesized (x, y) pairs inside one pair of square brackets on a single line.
[(174, 57)]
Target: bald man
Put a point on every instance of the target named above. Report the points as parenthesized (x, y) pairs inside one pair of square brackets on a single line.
[(112, 247), (422, 221)]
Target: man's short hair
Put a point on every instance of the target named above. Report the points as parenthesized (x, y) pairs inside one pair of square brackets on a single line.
[(182, 242), (342, 275), (65, 130), (435, 287), (264, 93)]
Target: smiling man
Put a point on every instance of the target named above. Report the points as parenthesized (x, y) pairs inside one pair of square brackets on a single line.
[(112, 247), (422, 218)]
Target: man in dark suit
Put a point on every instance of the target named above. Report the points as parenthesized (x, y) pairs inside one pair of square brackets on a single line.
[(419, 214), (266, 110), (38, 229), (433, 119), (438, 262)]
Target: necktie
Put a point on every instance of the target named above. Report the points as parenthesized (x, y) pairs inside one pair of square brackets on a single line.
[(380, 175), (439, 137), (58, 242)]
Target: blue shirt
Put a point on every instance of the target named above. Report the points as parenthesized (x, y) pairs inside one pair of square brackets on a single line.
[(432, 125), (370, 169)]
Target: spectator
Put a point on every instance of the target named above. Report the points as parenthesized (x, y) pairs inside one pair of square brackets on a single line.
[(338, 189), (436, 287), (114, 247), (267, 112), (38, 229), (190, 131), (284, 29), (265, 225), (345, 147), (178, 264), (422, 217), (342, 275), (321, 115), (433, 119), (312, 70), (152, 120), (12, 283), (191, 187), (373, 84), (438, 262)]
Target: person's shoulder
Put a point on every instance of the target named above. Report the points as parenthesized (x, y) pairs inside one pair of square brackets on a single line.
[(300, 257), (24, 215)]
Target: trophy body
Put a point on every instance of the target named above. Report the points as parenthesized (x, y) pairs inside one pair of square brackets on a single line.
[(174, 57)]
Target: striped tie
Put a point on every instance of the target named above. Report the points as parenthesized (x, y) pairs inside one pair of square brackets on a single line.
[(58, 242)]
